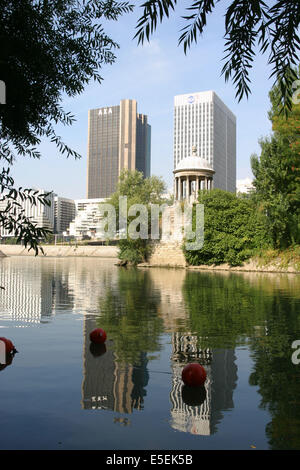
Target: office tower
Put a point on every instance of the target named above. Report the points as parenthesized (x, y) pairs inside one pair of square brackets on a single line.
[(118, 138), (205, 134), (64, 213)]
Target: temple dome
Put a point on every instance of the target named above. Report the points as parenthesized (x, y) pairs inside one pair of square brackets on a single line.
[(193, 163)]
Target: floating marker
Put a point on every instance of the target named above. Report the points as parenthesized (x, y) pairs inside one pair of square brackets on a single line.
[(9, 347), (98, 336), (193, 375)]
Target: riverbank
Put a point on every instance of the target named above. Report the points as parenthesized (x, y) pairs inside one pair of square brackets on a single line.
[(250, 266), (58, 251), (166, 256)]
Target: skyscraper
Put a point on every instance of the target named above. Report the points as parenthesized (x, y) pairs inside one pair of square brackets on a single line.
[(205, 128), (118, 138)]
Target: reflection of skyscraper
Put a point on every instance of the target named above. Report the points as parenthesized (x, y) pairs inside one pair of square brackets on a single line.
[(27, 294), (109, 384), (219, 385), (193, 419)]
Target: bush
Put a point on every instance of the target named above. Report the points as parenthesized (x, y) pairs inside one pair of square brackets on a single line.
[(233, 229)]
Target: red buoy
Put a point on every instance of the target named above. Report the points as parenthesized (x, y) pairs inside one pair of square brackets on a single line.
[(98, 336), (193, 375), (9, 347)]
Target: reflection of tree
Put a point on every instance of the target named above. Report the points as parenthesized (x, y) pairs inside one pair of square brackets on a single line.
[(226, 311), (129, 315), (223, 310), (275, 374), (140, 378)]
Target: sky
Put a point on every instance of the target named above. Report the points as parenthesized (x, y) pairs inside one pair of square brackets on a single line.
[(153, 74)]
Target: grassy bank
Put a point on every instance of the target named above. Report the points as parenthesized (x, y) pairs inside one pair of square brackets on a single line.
[(284, 259)]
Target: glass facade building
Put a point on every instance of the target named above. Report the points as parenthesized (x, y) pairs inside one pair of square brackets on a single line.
[(203, 121), (118, 138)]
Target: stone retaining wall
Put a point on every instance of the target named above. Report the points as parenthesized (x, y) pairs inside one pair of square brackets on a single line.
[(63, 251), (167, 254)]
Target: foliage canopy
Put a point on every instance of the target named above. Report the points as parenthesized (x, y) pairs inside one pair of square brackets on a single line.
[(52, 50), (251, 26)]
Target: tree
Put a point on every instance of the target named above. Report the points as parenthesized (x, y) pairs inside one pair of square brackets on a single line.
[(138, 190), (51, 49), (233, 229), (270, 26), (277, 175)]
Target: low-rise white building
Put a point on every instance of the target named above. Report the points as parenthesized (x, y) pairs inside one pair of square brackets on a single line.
[(88, 218), (244, 186)]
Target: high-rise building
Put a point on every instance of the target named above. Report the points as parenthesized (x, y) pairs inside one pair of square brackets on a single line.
[(64, 213), (205, 134), (118, 138)]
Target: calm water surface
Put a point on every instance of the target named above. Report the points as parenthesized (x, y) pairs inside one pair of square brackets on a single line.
[(61, 393)]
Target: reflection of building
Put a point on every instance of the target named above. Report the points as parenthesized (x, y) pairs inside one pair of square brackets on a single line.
[(28, 292), (219, 385), (203, 121), (109, 384), (118, 138), (193, 419)]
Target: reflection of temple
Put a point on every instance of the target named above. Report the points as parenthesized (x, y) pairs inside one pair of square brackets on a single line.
[(221, 380), (109, 384)]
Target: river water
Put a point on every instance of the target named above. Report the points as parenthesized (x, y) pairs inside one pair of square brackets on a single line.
[(60, 392)]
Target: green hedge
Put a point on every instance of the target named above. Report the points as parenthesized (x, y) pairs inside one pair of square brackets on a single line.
[(233, 229)]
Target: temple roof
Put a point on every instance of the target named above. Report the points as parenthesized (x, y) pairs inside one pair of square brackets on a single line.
[(193, 163)]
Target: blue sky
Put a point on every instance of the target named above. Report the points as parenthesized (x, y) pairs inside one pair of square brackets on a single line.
[(152, 74)]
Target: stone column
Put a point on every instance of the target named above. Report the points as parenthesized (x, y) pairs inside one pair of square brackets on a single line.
[(187, 195), (179, 188), (205, 182), (197, 185)]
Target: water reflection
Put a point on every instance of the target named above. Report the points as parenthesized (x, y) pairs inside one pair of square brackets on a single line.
[(188, 415), (202, 317), (109, 384), (27, 294), (37, 289)]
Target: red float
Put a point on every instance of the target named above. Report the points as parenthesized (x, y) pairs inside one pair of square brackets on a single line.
[(193, 375), (98, 336), (9, 347)]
